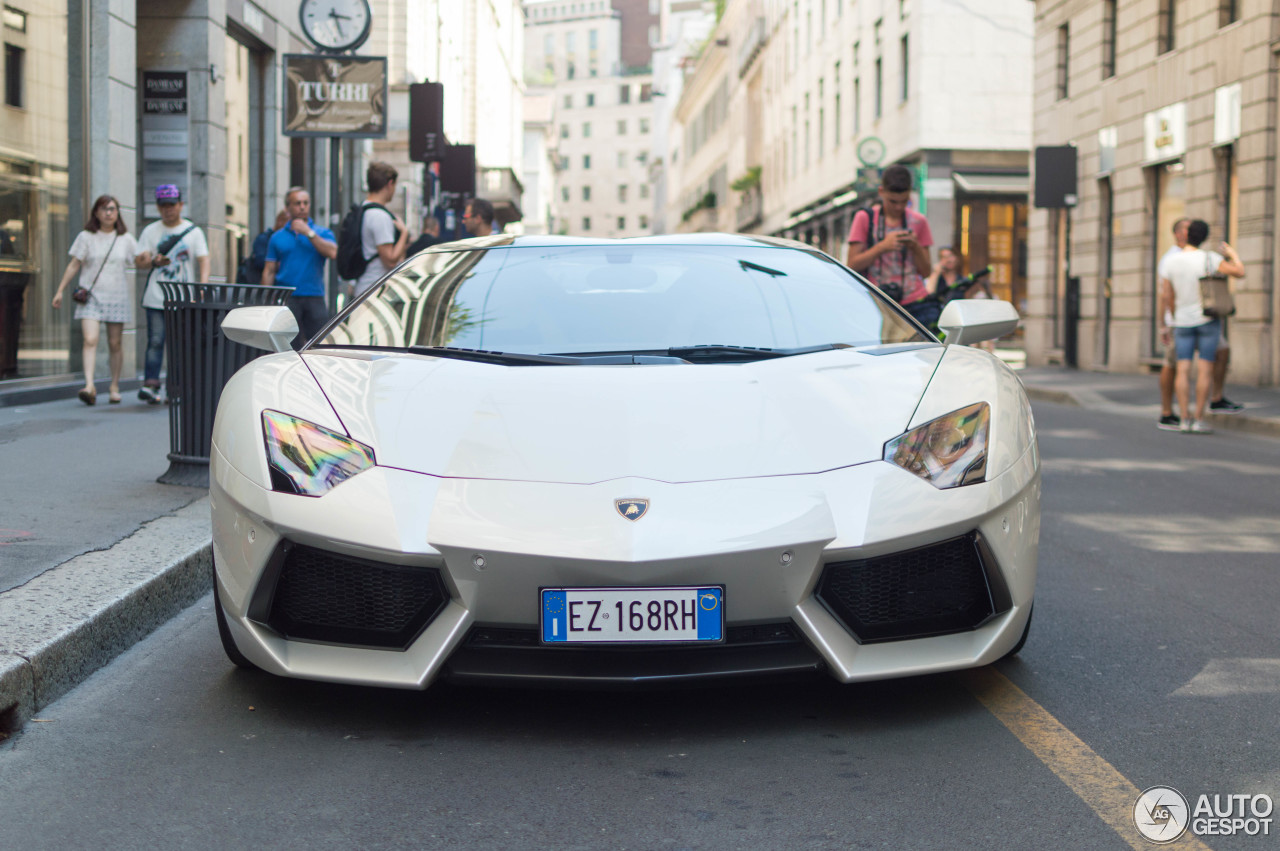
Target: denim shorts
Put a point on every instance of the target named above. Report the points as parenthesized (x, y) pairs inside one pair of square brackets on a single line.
[(1198, 338)]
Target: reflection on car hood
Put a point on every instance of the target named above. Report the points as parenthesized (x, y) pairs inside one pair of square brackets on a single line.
[(590, 424)]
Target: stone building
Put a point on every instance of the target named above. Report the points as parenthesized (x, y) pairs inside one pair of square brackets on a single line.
[(81, 78), (1171, 108), (791, 108)]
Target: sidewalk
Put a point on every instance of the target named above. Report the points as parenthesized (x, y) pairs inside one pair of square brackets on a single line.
[(1139, 396), (73, 598)]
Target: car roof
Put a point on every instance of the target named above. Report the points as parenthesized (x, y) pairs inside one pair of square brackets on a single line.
[(543, 240)]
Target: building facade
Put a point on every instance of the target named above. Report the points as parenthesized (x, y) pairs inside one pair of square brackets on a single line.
[(475, 50), (1170, 106), (594, 60), (114, 97), (792, 107)]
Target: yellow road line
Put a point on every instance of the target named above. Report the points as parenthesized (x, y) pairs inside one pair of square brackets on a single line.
[(1094, 780)]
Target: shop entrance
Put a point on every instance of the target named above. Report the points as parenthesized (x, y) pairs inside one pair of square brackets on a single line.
[(1168, 186), (993, 232)]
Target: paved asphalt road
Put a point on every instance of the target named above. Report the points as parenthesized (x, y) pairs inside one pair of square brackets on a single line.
[(1154, 660)]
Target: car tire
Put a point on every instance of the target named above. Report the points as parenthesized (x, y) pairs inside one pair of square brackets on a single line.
[(224, 632), (1026, 631)]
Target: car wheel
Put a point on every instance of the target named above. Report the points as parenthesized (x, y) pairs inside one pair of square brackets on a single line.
[(224, 632), (1026, 630)]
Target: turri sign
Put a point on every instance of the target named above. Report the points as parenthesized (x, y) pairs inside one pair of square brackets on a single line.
[(335, 96)]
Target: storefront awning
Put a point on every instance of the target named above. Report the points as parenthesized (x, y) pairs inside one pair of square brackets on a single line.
[(975, 183)]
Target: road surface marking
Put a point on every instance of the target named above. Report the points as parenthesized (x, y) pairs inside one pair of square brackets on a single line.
[(1107, 792)]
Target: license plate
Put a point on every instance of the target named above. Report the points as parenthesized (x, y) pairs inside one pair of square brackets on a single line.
[(632, 615)]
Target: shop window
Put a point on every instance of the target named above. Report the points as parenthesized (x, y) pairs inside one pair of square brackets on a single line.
[(15, 217), (1169, 199)]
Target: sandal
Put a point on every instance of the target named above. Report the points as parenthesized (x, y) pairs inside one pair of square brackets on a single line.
[(114, 398), (89, 397)]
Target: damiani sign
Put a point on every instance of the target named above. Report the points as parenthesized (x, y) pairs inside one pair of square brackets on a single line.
[(342, 96)]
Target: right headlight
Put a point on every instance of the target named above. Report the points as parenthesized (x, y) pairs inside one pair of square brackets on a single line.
[(307, 459), (948, 452)]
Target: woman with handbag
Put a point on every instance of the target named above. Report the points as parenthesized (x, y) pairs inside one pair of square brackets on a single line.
[(1196, 325), (100, 254)]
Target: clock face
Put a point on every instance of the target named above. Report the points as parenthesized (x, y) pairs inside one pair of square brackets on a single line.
[(871, 151), (336, 24)]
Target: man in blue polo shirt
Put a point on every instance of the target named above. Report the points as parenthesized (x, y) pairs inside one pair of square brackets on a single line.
[(295, 258)]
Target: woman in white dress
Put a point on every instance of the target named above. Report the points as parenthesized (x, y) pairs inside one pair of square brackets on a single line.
[(100, 254)]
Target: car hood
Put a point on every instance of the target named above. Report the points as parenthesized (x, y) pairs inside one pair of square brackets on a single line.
[(587, 424)]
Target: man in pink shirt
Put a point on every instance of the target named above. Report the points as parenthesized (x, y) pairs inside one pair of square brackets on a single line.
[(889, 244)]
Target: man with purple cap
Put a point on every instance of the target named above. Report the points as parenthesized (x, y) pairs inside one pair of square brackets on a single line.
[(173, 250)]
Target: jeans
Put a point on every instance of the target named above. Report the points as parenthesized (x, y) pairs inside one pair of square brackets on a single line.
[(311, 312), (155, 346), (1199, 338)]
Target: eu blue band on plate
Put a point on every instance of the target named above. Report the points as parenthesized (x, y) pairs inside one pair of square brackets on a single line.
[(555, 625), (709, 616)]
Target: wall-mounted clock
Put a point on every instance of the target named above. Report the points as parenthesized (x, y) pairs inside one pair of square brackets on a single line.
[(336, 26), (871, 151)]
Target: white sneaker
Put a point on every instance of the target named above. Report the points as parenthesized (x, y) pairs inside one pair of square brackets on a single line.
[(1185, 425), (1198, 427)]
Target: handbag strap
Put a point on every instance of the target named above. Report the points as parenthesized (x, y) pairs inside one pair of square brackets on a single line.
[(105, 257)]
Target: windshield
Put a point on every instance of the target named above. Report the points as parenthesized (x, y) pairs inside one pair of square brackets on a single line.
[(622, 297)]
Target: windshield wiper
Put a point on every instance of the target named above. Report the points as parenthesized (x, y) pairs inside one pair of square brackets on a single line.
[(746, 353), (522, 359), (502, 358)]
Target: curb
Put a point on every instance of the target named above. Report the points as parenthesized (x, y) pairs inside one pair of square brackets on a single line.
[(1044, 394), (1242, 423), (62, 626)]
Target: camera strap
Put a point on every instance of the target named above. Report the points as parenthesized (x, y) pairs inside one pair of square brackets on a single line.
[(880, 223)]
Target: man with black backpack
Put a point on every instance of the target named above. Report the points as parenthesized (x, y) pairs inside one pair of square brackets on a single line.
[(382, 239)]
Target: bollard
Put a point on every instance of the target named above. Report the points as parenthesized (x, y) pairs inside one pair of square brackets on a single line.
[(201, 362)]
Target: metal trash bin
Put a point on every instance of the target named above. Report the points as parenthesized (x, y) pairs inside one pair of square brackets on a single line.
[(201, 362)]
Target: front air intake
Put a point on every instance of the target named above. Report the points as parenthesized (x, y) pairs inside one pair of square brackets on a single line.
[(310, 594), (942, 588)]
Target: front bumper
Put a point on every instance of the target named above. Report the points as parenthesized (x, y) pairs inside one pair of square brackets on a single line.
[(493, 544)]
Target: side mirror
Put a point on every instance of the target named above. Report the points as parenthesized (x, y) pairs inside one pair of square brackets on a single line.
[(972, 320), (270, 328)]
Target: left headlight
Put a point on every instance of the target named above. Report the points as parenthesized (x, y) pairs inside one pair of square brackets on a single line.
[(307, 459), (948, 452)]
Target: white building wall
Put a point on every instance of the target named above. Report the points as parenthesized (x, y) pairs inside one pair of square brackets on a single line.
[(619, 152)]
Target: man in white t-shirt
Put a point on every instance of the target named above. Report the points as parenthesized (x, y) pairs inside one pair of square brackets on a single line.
[(185, 260), (1193, 333), (1170, 421), (383, 237)]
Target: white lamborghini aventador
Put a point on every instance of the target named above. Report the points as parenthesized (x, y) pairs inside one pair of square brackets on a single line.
[(552, 459)]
